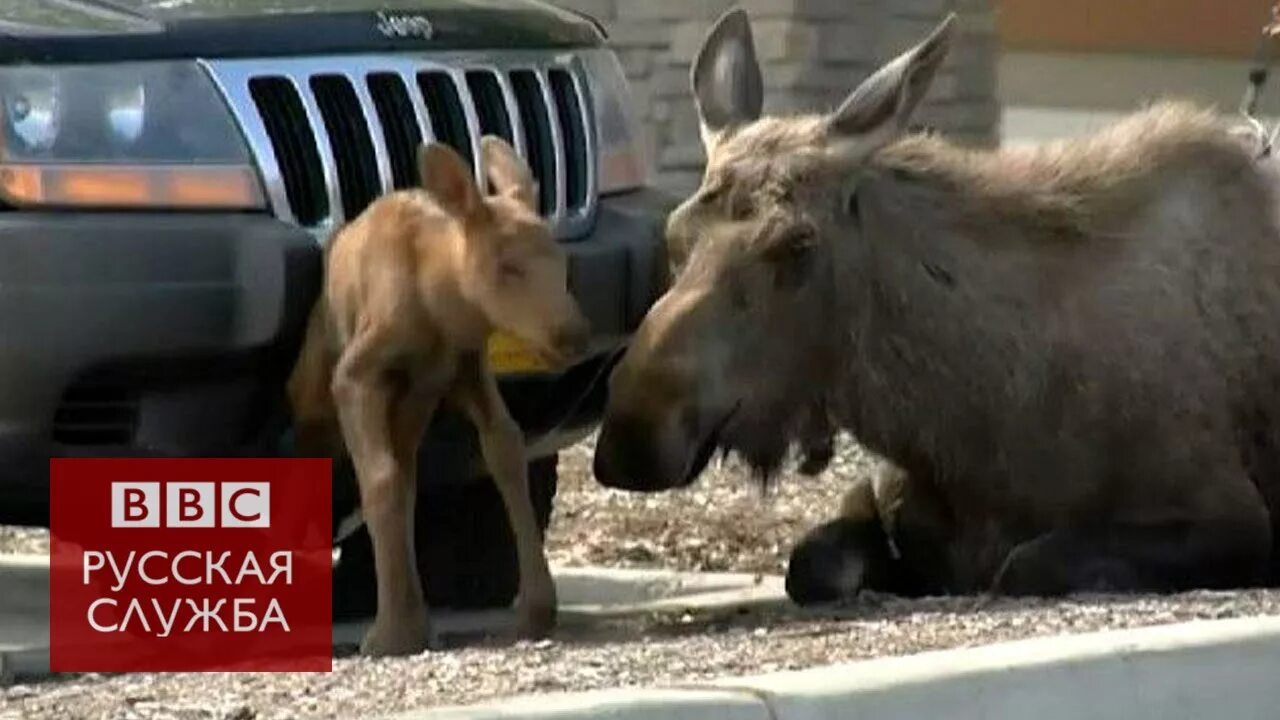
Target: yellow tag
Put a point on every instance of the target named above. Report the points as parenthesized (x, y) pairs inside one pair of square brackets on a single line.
[(510, 354)]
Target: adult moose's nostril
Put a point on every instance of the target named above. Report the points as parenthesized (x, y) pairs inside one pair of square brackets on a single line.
[(602, 465), (607, 464), (626, 457)]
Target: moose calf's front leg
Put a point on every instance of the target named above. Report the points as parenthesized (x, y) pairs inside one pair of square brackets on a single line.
[(502, 445), (503, 448), (387, 502)]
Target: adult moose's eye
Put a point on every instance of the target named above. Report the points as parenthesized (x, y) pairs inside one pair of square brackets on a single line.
[(851, 200), (791, 255), (741, 206), (851, 206)]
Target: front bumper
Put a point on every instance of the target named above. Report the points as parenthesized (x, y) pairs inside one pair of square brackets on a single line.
[(129, 334)]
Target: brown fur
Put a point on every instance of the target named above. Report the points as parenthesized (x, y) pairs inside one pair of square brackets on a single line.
[(414, 287), (1069, 351), (1070, 189)]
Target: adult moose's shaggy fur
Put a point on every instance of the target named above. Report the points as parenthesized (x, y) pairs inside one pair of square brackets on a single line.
[(1069, 353), (414, 287)]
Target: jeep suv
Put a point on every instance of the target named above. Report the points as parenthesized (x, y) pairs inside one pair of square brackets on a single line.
[(170, 171)]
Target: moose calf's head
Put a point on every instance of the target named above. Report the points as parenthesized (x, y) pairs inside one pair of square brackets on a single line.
[(787, 214), (513, 269)]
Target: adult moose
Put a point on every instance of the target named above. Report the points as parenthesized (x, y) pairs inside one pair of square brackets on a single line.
[(1069, 353)]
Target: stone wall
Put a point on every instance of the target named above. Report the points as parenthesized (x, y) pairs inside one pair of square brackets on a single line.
[(813, 52)]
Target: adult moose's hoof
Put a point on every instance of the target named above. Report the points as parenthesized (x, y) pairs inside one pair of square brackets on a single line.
[(836, 560)]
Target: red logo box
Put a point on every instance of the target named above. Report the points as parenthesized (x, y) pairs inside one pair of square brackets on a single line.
[(162, 565)]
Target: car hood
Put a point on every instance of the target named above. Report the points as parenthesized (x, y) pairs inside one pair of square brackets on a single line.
[(116, 30)]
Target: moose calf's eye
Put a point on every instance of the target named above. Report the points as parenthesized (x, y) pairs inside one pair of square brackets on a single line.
[(510, 271)]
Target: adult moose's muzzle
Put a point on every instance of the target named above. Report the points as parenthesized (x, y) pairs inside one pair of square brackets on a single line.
[(659, 431), (634, 453)]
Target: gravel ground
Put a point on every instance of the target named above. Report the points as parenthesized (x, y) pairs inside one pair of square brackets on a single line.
[(669, 649), (27, 541), (723, 523)]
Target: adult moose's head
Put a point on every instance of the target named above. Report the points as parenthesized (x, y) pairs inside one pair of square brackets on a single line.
[(772, 248)]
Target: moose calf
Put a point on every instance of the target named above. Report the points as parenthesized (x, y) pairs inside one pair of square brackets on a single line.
[(414, 287)]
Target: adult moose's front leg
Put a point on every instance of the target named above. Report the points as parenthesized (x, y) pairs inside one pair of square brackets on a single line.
[(1216, 551), (893, 535), (502, 445), (364, 402), (855, 551)]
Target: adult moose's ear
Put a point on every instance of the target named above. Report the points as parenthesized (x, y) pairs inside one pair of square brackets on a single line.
[(727, 87), (507, 171), (880, 108), (447, 177)]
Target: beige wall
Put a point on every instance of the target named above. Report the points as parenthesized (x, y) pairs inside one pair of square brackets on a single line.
[(1206, 28), (814, 53), (1072, 67)]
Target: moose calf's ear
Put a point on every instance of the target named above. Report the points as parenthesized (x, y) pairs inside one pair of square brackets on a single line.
[(448, 178), (727, 87), (507, 171), (881, 107)]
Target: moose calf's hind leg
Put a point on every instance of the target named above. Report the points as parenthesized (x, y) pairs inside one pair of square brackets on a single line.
[(387, 502)]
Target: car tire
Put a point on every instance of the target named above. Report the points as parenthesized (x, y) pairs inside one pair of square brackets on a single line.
[(465, 548)]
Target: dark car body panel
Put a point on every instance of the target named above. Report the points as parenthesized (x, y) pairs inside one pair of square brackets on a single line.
[(88, 31), (137, 334), (172, 333)]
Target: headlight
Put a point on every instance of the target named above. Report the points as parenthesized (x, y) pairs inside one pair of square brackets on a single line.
[(624, 161), (126, 113), (33, 109), (128, 135)]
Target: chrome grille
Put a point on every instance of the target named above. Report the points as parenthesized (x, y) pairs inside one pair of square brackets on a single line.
[(447, 111), (296, 160), (331, 134), (399, 127)]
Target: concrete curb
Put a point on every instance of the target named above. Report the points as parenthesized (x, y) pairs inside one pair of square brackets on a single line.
[(641, 704), (587, 594), (1221, 669), (23, 645), (616, 592)]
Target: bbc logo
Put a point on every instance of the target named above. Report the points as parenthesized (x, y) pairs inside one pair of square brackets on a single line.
[(190, 505)]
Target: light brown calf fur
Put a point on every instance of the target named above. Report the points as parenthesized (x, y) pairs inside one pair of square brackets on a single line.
[(413, 288), (1070, 353)]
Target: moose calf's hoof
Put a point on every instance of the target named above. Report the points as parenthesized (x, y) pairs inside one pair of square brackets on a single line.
[(834, 561), (390, 640), (535, 622)]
